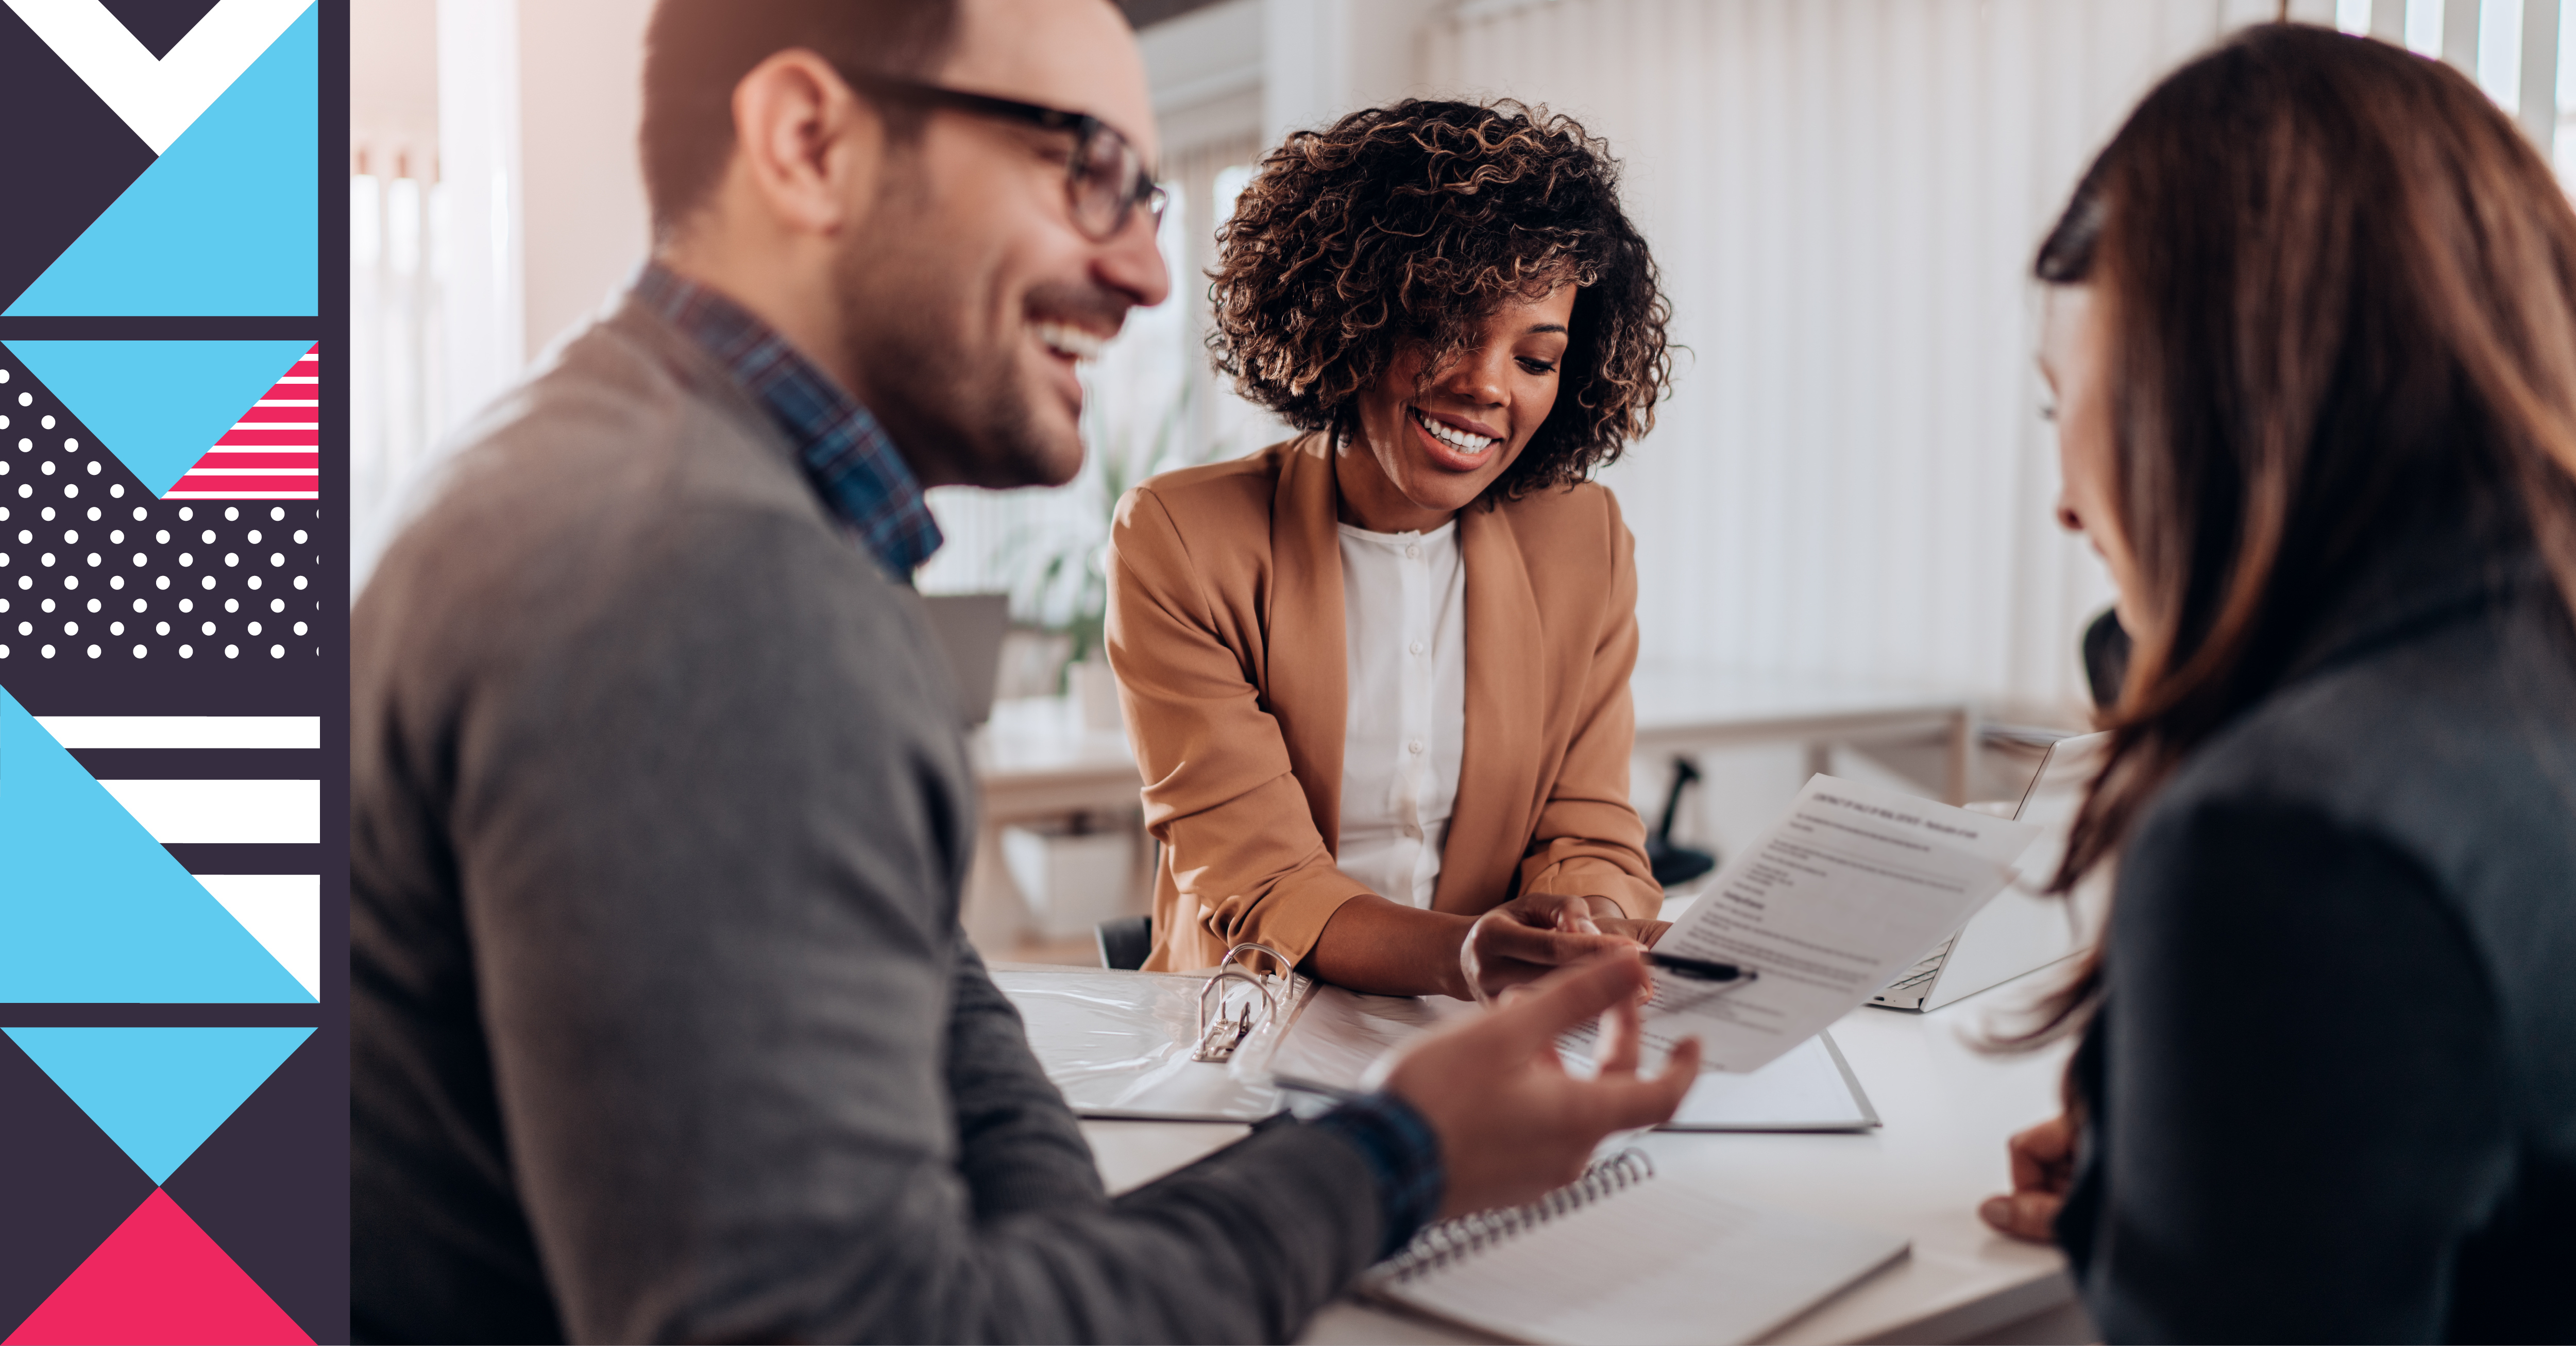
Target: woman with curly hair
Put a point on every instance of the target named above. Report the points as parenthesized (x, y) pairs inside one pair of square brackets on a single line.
[(1377, 675)]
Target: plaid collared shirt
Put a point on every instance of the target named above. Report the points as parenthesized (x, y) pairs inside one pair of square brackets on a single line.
[(847, 455)]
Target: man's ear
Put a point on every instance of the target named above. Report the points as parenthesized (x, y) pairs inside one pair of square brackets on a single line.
[(809, 148)]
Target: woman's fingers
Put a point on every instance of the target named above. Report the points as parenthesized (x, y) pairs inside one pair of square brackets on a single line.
[(1551, 911), (2043, 1156), (2024, 1215), (1524, 939), (1512, 941), (2043, 1163), (1643, 932)]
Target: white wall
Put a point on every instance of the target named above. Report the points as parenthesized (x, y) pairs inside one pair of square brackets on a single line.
[(393, 61), (482, 224), (581, 67), (537, 114), (1851, 478)]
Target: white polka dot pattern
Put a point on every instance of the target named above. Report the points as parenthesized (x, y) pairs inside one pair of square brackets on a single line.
[(67, 540)]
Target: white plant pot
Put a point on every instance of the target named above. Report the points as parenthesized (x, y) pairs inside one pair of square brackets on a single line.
[(1072, 881), (1094, 689)]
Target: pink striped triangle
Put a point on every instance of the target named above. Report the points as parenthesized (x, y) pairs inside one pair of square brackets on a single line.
[(273, 452), (158, 1279)]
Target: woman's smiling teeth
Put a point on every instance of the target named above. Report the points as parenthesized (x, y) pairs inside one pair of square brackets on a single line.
[(1069, 341), (1461, 440)]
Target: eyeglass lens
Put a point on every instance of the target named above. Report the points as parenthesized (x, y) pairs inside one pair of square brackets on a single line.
[(1108, 180)]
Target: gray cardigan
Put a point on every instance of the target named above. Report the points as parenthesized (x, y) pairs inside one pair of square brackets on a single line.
[(2332, 1090), (663, 1026)]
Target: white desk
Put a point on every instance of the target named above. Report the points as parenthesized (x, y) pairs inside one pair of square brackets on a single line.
[(1036, 759), (1948, 1110), (1693, 708)]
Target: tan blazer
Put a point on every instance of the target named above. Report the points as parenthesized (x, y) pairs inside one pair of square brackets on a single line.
[(1225, 628)]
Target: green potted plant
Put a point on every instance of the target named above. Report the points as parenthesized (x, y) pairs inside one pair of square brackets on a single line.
[(1064, 574)]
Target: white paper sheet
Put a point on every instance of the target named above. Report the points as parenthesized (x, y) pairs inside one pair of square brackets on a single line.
[(1842, 895), (1807, 1088)]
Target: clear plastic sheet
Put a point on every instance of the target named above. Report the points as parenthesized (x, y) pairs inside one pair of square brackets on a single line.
[(1118, 1044)]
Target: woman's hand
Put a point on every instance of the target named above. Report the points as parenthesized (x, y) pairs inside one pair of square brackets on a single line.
[(2043, 1165), (1534, 934)]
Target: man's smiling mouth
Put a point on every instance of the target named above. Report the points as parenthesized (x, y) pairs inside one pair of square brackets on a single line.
[(1071, 342)]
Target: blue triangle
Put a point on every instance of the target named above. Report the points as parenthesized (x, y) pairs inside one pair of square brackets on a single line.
[(93, 910), (158, 405), (226, 222), (158, 1092)]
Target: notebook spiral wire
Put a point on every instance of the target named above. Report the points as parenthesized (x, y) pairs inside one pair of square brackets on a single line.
[(1464, 1236)]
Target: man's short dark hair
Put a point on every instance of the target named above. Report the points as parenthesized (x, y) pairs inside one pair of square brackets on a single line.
[(696, 51)]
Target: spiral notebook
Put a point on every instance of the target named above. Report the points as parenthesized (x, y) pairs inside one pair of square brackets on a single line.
[(1620, 1256)]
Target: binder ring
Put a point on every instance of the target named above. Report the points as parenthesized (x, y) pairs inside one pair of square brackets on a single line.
[(1214, 1043)]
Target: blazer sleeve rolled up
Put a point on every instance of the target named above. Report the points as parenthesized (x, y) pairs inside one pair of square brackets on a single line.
[(1219, 789)]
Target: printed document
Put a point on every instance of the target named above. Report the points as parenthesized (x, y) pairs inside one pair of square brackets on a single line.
[(1836, 900)]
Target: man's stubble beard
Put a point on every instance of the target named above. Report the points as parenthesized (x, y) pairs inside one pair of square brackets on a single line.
[(961, 415)]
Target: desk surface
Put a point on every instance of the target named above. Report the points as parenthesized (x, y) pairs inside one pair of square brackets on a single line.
[(1948, 1109), (1045, 735), (1675, 698)]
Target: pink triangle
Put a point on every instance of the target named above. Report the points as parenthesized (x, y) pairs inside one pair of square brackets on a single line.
[(158, 1279)]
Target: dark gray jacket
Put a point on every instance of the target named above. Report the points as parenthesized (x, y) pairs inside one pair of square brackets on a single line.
[(663, 1026), (2332, 1092)]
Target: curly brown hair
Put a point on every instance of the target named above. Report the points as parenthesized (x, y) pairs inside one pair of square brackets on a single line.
[(1412, 223)]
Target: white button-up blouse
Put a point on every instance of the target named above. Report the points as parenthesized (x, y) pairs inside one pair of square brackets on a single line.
[(1404, 619)]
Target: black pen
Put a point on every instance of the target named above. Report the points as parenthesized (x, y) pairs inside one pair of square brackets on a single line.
[(1700, 969)]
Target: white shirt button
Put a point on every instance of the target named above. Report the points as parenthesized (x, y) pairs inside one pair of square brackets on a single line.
[(1415, 747), (1412, 552), (1417, 647)]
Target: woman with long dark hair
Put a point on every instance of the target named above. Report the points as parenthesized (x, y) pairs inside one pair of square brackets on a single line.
[(2312, 334)]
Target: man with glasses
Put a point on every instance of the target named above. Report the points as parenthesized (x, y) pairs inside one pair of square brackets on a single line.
[(662, 1023)]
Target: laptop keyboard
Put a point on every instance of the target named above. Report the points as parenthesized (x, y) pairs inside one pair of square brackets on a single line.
[(1910, 990)]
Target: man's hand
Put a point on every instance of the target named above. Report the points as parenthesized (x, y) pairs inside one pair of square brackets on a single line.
[(2043, 1165), (1535, 934), (1512, 1124)]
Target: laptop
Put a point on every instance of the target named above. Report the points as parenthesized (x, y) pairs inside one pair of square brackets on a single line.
[(969, 629), (2021, 930)]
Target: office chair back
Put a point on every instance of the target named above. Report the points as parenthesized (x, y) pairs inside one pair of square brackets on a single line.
[(1125, 942), (1676, 864)]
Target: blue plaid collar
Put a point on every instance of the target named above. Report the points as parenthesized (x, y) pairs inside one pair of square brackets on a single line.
[(847, 454)]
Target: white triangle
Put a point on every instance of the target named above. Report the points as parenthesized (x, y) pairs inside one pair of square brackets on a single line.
[(283, 912), (159, 99)]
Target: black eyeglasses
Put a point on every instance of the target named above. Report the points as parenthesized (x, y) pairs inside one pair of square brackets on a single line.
[(1104, 177)]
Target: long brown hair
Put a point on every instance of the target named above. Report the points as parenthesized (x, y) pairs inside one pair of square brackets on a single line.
[(2340, 290)]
